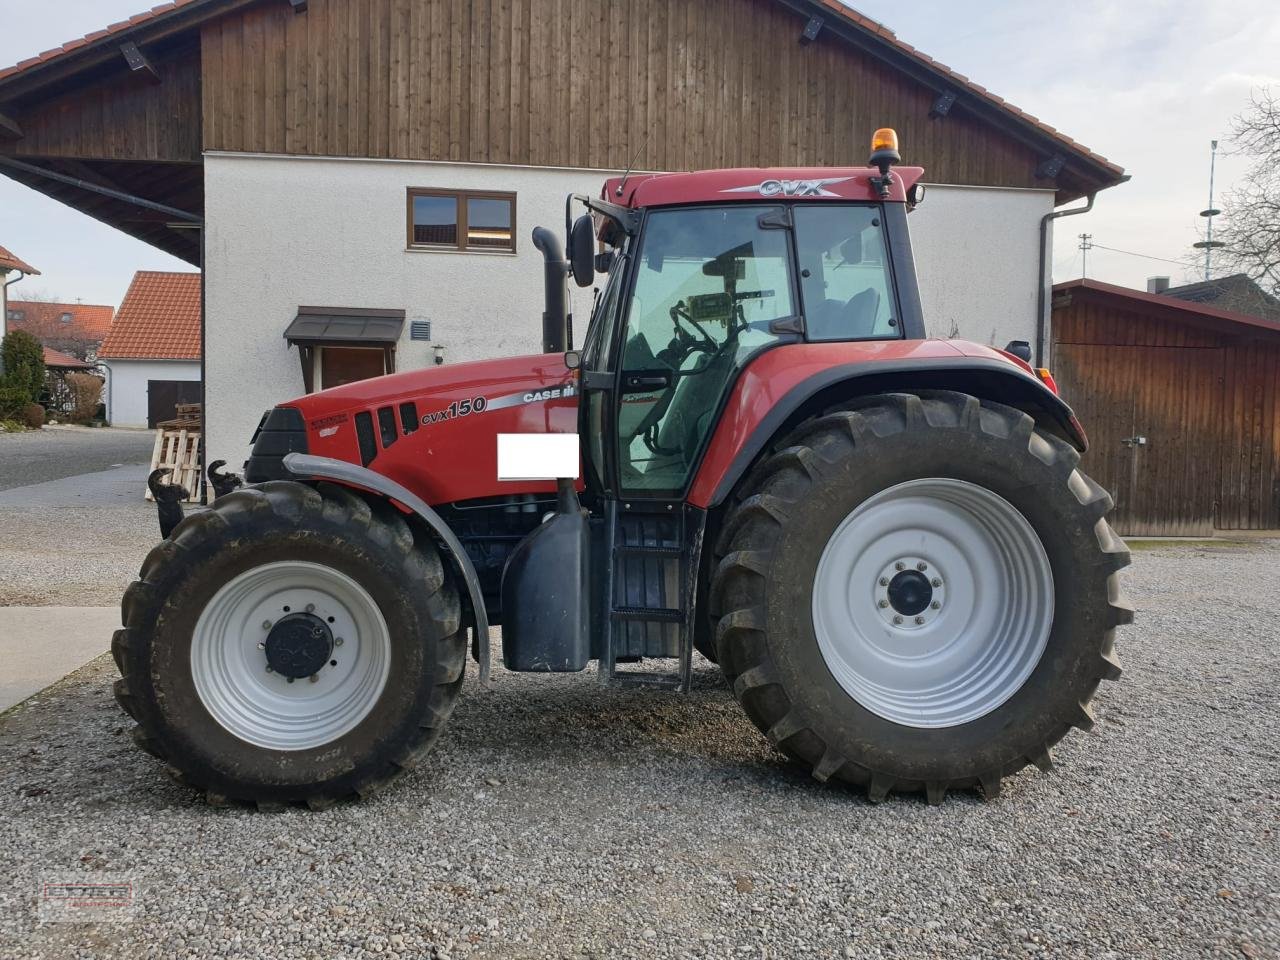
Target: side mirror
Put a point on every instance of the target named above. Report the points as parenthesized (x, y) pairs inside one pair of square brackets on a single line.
[(573, 359), (582, 254), (1020, 349)]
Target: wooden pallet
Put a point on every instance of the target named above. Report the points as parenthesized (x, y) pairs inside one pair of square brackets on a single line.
[(179, 450)]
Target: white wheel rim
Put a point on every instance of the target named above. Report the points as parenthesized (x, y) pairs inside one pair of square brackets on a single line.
[(230, 668), (989, 604)]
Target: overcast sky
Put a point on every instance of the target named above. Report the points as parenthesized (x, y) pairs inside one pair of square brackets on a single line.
[(1147, 84)]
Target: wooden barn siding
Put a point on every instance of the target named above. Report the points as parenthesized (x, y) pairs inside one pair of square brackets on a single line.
[(577, 83), (1250, 474), (1208, 401), (124, 117)]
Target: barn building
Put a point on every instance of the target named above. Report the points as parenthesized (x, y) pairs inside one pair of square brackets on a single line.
[(392, 155), (1181, 399)]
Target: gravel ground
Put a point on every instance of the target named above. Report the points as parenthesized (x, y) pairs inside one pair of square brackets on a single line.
[(57, 452), (559, 818), (77, 541)]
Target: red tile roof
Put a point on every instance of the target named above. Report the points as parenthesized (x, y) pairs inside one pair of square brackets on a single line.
[(9, 262), (158, 320), (63, 361), (44, 321), (836, 7), (72, 45)]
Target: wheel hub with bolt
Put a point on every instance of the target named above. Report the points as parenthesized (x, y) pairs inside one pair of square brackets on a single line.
[(910, 593), (299, 645)]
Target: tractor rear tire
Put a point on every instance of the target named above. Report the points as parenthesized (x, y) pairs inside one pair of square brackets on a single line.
[(292, 644), (974, 667)]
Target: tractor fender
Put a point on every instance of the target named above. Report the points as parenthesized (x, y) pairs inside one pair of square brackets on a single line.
[(362, 478), (729, 458)]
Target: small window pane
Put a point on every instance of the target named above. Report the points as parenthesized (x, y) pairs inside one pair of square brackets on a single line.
[(845, 280), (435, 220), (489, 223)]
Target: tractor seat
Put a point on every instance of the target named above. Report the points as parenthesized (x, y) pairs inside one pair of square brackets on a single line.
[(845, 319)]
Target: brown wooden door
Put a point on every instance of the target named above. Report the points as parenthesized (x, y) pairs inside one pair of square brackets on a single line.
[(163, 397), (1152, 415), (1099, 390), (339, 365)]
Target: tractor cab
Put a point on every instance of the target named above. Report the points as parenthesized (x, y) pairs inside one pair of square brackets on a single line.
[(707, 271)]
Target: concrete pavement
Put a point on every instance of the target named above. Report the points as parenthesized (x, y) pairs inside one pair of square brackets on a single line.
[(76, 541), (55, 452), (68, 548), (41, 645)]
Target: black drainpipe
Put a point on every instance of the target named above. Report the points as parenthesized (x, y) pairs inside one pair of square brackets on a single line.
[(1042, 301)]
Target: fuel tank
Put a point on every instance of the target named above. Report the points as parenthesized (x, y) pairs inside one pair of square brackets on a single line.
[(435, 430)]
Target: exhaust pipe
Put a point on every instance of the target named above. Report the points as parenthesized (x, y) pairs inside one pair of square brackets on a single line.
[(556, 270)]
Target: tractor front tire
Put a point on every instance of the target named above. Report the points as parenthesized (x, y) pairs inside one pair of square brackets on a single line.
[(292, 644), (918, 593)]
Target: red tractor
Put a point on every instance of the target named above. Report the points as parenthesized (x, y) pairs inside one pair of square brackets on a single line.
[(882, 539)]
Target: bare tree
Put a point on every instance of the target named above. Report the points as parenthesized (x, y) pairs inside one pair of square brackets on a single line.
[(1252, 231)]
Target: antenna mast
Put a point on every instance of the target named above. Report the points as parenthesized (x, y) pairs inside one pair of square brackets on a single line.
[(1208, 244)]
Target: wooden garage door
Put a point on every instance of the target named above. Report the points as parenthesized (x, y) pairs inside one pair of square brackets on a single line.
[(1153, 416), (163, 397)]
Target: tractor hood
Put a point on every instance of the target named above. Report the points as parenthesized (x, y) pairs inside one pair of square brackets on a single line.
[(433, 430), (487, 377)]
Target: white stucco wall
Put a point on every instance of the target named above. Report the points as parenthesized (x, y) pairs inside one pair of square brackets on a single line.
[(126, 388), (977, 253), (287, 231)]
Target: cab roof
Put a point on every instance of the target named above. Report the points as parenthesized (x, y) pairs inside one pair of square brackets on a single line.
[(757, 183)]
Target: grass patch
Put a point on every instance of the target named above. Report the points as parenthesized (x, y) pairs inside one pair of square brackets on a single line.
[(1138, 543)]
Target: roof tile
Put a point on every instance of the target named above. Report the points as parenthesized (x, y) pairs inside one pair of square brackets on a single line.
[(64, 361), (158, 320), (43, 320), (9, 261)]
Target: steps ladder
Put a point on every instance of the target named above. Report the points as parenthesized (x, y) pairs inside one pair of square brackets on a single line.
[(651, 584)]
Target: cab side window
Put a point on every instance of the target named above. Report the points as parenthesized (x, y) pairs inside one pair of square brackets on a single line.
[(710, 283), (845, 279)]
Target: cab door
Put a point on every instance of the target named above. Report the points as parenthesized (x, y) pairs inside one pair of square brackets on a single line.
[(712, 287), (598, 382)]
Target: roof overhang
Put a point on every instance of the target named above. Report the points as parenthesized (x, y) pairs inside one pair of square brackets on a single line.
[(1068, 167), (9, 262), (1076, 169), (345, 327)]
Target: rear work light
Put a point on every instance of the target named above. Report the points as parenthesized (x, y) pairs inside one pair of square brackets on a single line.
[(1047, 379)]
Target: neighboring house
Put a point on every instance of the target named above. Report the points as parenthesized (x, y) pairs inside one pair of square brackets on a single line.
[(54, 360), (12, 270), (77, 329), (1237, 293), (58, 399), (392, 156), (1181, 401), (152, 354)]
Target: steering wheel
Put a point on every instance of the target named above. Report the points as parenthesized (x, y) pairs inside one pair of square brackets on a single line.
[(681, 312)]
